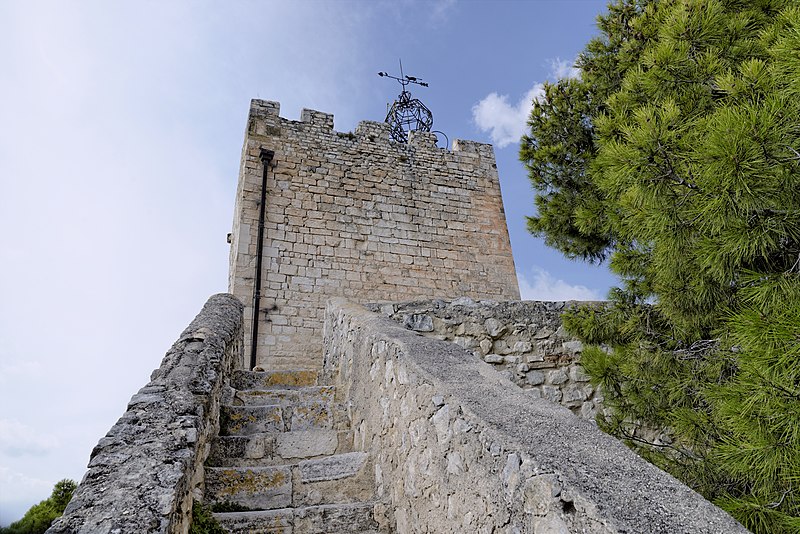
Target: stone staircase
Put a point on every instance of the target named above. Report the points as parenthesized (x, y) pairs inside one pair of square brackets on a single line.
[(285, 455)]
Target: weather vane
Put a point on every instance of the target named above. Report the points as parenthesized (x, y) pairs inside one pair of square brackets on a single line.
[(407, 114)]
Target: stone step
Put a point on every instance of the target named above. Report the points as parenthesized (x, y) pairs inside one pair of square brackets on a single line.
[(283, 397), (326, 519), (274, 379), (247, 420), (256, 488), (277, 448), (336, 479)]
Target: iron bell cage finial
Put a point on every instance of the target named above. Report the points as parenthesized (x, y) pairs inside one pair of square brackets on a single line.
[(407, 114)]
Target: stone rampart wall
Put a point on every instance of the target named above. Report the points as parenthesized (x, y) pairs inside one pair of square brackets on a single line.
[(144, 473), (458, 448), (360, 216), (523, 340)]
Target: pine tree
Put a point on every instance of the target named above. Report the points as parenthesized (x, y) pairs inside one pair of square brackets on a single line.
[(676, 157)]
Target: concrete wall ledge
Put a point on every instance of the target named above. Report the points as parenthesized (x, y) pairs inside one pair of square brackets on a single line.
[(144, 473), (459, 448)]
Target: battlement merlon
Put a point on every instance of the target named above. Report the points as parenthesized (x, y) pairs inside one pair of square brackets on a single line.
[(265, 120)]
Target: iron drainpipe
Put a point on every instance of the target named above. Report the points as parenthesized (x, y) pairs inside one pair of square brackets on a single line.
[(266, 158)]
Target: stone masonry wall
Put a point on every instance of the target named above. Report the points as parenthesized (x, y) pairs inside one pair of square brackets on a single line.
[(524, 341), (457, 448), (358, 215), (144, 474)]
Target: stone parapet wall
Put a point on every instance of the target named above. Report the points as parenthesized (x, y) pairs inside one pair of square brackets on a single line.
[(459, 448), (358, 215), (523, 340), (144, 474)]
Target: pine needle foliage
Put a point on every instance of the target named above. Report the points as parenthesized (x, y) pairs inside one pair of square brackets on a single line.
[(675, 157)]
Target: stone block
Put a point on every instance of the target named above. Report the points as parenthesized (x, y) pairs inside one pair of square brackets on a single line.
[(573, 395), (284, 397), (556, 377), (261, 488), (501, 347), (419, 322), (268, 379), (493, 358), (534, 357), (333, 467), (494, 327), (577, 374), (543, 333), (310, 415), (534, 378), (245, 420), (552, 393), (228, 450), (521, 347), (306, 443), (338, 518)]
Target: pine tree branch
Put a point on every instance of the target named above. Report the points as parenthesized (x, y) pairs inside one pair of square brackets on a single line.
[(641, 441), (697, 350), (777, 504), (795, 266)]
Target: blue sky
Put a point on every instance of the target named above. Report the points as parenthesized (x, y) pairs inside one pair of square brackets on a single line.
[(122, 125)]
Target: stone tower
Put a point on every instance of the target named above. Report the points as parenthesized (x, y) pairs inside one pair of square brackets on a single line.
[(359, 216)]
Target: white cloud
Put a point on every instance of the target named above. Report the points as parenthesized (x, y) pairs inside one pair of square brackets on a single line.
[(560, 68), (17, 439), (543, 286), (506, 122)]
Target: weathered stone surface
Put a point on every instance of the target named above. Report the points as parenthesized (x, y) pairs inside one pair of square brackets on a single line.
[(328, 519), (491, 458), (260, 522), (493, 358), (230, 450), (260, 488), (337, 519), (306, 443), (419, 322), (577, 374), (292, 378), (522, 346), (244, 420), (494, 327), (273, 448), (311, 415), (557, 377), (343, 478), (534, 378), (333, 467), (143, 472), (511, 336), (283, 397)]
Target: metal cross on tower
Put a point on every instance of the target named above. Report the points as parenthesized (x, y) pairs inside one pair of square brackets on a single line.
[(407, 114)]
